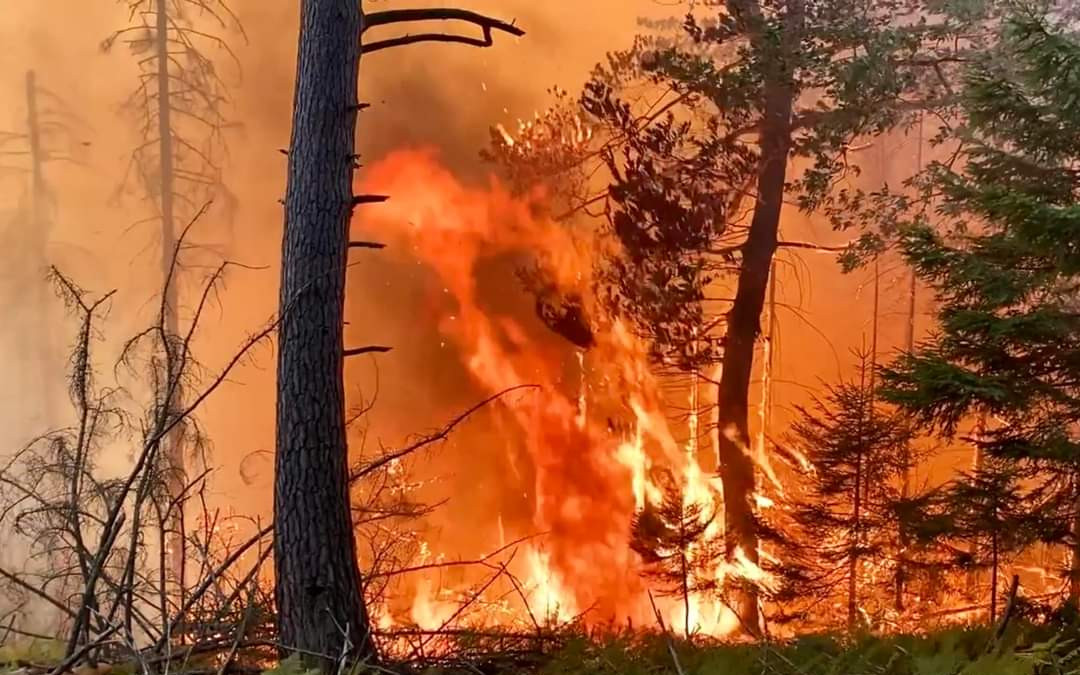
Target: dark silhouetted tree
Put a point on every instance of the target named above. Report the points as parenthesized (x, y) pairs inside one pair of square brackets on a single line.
[(48, 137), (179, 104), (987, 523), (321, 612)]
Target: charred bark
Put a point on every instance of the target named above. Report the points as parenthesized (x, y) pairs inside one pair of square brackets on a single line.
[(321, 611), (735, 463)]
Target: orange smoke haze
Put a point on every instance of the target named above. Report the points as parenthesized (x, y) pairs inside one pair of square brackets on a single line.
[(444, 294)]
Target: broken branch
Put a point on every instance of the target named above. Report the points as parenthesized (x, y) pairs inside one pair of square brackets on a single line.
[(369, 199), (374, 349)]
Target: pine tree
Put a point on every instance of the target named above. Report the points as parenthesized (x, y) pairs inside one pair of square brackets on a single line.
[(1004, 262), (672, 540), (987, 522), (848, 515)]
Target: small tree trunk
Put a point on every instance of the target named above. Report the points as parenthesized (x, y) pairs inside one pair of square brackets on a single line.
[(685, 592), (976, 464), (1074, 566), (318, 586), (904, 537), (993, 575), (905, 487), (173, 443), (853, 552)]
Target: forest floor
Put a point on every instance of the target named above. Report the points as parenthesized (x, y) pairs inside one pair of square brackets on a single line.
[(1022, 650)]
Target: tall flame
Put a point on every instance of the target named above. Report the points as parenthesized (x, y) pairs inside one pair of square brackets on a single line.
[(590, 474)]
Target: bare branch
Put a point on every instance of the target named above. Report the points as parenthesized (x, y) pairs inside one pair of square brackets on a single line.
[(486, 41), (359, 472), (821, 248), (13, 578), (438, 14), (366, 350), (369, 199), (487, 25)]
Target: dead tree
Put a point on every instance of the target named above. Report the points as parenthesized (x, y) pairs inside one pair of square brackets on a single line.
[(180, 102), (92, 560), (321, 612), (49, 128)]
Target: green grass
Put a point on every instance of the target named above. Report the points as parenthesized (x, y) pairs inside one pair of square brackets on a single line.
[(1023, 651)]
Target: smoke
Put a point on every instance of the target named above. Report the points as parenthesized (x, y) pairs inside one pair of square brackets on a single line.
[(440, 96)]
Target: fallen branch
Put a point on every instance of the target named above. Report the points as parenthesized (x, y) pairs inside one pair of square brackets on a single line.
[(201, 589), (78, 655), (667, 636), (453, 563), (469, 602)]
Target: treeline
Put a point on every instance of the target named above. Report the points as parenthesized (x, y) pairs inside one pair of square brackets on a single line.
[(992, 231), (748, 106)]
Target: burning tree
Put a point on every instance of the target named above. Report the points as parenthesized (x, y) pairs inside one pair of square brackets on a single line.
[(847, 516), (672, 540), (1003, 265), (318, 584), (696, 170)]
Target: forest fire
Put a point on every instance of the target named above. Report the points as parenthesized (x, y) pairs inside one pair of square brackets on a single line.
[(764, 331), (599, 440)]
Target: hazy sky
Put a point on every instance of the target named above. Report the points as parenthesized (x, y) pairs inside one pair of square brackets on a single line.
[(440, 95)]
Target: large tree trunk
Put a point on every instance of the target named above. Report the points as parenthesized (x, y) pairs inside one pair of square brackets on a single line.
[(735, 463), (318, 586)]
